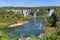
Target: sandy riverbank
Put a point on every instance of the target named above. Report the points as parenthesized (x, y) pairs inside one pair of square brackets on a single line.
[(17, 24)]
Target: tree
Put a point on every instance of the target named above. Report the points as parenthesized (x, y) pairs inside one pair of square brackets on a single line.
[(52, 20)]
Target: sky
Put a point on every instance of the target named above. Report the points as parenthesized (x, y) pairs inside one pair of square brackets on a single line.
[(29, 3)]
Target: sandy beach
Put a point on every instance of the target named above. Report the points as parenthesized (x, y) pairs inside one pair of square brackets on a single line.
[(18, 24)]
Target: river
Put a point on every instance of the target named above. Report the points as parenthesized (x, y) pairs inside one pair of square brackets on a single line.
[(34, 26)]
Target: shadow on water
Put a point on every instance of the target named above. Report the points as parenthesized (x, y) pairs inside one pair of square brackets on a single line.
[(34, 26)]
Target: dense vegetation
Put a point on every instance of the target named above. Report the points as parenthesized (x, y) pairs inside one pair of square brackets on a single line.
[(53, 21), (7, 18)]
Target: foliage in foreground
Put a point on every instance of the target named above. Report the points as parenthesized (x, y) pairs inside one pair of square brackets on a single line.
[(47, 36)]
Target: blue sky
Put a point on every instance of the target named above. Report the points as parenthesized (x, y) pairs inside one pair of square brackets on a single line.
[(29, 3)]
